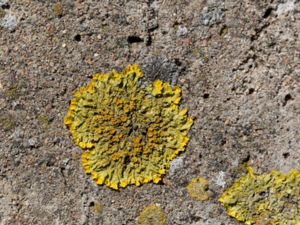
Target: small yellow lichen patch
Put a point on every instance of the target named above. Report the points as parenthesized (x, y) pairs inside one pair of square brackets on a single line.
[(7, 122), (272, 198), (43, 121), (58, 9), (130, 131), (96, 208), (197, 189), (152, 215)]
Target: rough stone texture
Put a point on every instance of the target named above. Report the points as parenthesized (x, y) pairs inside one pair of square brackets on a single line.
[(237, 61)]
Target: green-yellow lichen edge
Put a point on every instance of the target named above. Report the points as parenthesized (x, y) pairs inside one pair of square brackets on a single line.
[(272, 198), (152, 215), (130, 131)]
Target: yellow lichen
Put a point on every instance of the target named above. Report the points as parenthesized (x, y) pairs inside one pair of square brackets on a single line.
[(197, 189), (130, 131), (58, 9), (96, 207), (152, 215), (272, 198), (7, 122), (43, 122)]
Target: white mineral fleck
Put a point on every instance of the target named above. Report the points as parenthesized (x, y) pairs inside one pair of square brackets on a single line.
[(176, 164), (220, 179), (182, 30), (285, 7), (9, 21)]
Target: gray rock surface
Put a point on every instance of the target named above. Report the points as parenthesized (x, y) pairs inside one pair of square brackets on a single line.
[(238, 63)]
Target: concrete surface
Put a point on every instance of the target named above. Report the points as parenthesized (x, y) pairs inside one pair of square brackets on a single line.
[(238, 63)]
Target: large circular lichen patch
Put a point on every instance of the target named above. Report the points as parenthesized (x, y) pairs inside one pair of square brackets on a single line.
[(130, 131)]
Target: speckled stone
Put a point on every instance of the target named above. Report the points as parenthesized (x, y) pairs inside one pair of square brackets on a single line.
[(237, 63)]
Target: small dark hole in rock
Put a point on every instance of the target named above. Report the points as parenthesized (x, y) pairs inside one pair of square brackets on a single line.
[(286, 155), (177, 62), (5, 6), (245, 158), (134, 39), (267, 12), (287, 98), (92, 204), (206, 96), (164, 32), (223, 142), (250, 91), (149, 41), (77, 37)]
